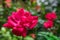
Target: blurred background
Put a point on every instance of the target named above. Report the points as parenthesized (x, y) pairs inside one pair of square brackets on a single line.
[(36, 7)]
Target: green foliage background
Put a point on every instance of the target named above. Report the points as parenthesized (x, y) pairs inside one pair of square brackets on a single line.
[(41, 33)]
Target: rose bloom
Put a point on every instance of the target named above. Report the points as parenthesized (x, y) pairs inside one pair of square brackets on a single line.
[(20, 21), (51, 16), (48, 24)]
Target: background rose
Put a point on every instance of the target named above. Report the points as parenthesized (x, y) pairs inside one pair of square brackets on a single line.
[(51, 16), (48, 24)]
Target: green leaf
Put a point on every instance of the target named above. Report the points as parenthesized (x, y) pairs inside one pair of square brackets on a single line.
[(28, 38), (47, 36)]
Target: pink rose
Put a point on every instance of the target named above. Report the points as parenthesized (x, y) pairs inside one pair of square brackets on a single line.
[(51, 16), (48, 24)]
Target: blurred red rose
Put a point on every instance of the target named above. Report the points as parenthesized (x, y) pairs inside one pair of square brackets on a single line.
[(21, 18), (51, 16), (48, 24)]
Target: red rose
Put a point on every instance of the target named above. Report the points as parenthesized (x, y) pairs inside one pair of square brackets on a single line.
[(48, 24), (51, 16), (21, 18)]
